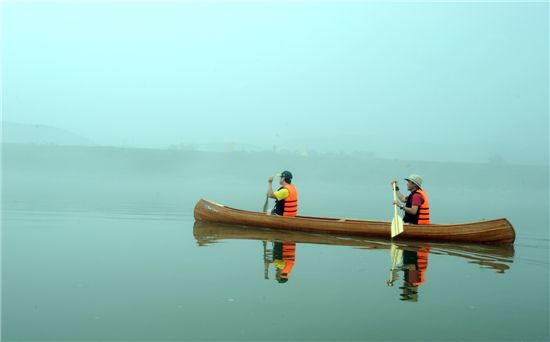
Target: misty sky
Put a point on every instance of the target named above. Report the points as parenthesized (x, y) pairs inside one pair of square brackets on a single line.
[(161, 73)]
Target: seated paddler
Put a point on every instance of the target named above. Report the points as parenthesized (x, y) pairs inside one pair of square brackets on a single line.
[(286, 197), (416, 205)]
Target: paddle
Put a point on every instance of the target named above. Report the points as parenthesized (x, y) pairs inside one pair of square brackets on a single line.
[(266, 204), (397, 222), (266, 261), (396, 254)]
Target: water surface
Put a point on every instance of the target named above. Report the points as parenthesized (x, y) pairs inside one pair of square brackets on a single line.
[(113, 253)]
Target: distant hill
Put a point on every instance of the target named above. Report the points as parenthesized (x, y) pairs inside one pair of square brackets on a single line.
[(17, 133)]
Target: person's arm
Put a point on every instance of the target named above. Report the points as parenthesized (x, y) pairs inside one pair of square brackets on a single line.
[(416, 202), (270, 193), (400, 196), (412, 211)]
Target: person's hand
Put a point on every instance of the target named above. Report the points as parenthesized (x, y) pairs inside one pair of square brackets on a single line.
[(270, 179), (397, 204)]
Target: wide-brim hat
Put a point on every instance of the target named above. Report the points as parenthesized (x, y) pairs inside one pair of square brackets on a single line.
[(416, 179)]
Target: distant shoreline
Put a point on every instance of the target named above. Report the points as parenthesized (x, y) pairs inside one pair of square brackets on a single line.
[(360, 156)]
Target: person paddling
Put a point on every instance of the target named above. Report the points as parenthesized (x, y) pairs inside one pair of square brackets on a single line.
[(417, 207), (286, 197)]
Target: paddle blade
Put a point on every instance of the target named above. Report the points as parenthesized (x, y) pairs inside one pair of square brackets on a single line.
[(396, 254), (396, 226), (400, 225)]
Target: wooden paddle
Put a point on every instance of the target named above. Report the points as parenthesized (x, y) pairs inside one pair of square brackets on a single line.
[(266, 261), (396, 254), (266, 204), (397, 222)]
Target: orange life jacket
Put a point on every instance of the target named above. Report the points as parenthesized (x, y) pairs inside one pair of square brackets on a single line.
[(424, 210), (289, 256), (289, 205), (291, 202), (422, 264), (420, 260), (423, 214), (286, 252)]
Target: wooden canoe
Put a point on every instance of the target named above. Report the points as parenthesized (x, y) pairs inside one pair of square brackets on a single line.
[(497, 257), (498, 231)]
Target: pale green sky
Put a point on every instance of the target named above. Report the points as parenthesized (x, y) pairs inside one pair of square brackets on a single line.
[(162, 73)]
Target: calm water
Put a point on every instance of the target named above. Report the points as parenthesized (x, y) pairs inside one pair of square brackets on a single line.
[(135, 266)]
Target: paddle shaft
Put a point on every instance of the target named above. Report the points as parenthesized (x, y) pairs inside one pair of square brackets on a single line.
[(266, 204), (395, 214), (266, 261)]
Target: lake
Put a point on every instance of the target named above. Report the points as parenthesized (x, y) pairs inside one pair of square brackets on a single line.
[(101, 244)]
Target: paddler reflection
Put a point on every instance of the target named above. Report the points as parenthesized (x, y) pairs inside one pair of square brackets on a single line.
[(414, 266), (409, 263), (282, 256)]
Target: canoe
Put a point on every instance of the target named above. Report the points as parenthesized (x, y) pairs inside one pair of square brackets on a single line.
[(497, 257), (497, 231)]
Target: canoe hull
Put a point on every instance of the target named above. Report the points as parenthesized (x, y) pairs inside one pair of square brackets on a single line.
[(498, 231)]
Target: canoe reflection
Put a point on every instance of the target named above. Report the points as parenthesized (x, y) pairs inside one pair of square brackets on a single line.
[(410, 258)]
